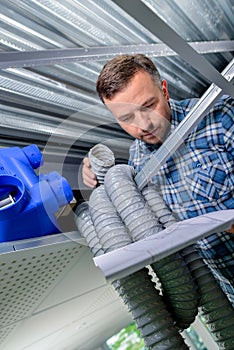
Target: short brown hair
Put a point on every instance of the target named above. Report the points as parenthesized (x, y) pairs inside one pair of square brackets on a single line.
[(117, 73)]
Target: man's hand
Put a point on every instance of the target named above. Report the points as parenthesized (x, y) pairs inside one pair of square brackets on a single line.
[(89, 178), (231, 229)]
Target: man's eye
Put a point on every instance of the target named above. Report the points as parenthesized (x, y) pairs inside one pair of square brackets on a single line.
[(145, 108), (152, 105), (126, 119)]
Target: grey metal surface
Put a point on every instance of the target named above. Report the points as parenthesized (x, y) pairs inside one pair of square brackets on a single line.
[(55, 56), (29, 276), (24, 244), (131, 258), (53, 297), (164, 32)]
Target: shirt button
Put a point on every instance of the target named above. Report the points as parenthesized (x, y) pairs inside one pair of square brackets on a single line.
[(198, 165)]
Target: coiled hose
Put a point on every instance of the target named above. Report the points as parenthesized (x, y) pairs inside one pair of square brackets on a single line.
[(137, 290), (145, 214), (178, 287), (101, 160), (213, 304)]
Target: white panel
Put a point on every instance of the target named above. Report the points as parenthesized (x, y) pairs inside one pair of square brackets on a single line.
[(82, 277)]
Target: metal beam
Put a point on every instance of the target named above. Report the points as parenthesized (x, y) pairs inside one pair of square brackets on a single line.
[(142, 13), (25, 59)]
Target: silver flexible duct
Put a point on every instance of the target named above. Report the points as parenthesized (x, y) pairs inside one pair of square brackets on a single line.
[(101, 160), (178, 287), (86, 227), (120, 214), (137, 290), (214, 306)]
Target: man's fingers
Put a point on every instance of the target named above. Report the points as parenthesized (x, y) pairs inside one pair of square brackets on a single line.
[(86, 162), (89, 178), (231, 229)]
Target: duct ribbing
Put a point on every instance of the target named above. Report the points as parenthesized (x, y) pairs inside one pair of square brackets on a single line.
[(137, 290), (179, 291), (120, 214)]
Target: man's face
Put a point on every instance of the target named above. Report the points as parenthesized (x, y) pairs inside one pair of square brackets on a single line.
[(142, 109)]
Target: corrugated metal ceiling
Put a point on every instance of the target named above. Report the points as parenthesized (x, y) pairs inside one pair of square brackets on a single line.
[(45, 100)]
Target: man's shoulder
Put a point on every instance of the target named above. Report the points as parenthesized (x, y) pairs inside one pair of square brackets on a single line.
[(183, 105), (186, 103), (190, 102), (225, 101), (179, 109)]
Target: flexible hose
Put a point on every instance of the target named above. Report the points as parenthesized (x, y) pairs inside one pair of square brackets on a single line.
[(215, 307), (87, 229), (142, 218), (137, 290), (178, 288), (101, 159), (110, 230)]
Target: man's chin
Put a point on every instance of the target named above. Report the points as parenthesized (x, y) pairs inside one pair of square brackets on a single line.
[(152, 141)]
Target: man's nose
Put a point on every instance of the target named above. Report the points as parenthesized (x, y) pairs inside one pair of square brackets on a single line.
[(143, 120)]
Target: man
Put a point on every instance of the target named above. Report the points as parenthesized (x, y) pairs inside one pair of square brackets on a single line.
[(196, 179)]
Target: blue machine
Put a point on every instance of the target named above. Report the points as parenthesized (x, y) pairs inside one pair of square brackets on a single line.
[(28, 202)]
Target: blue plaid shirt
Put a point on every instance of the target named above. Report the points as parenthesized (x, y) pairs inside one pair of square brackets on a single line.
[(199, 178)]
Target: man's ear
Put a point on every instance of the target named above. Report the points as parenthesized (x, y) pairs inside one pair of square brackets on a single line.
[(164, 89)]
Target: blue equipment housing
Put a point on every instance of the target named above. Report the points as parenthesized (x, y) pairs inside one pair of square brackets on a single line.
[(29, 202)]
